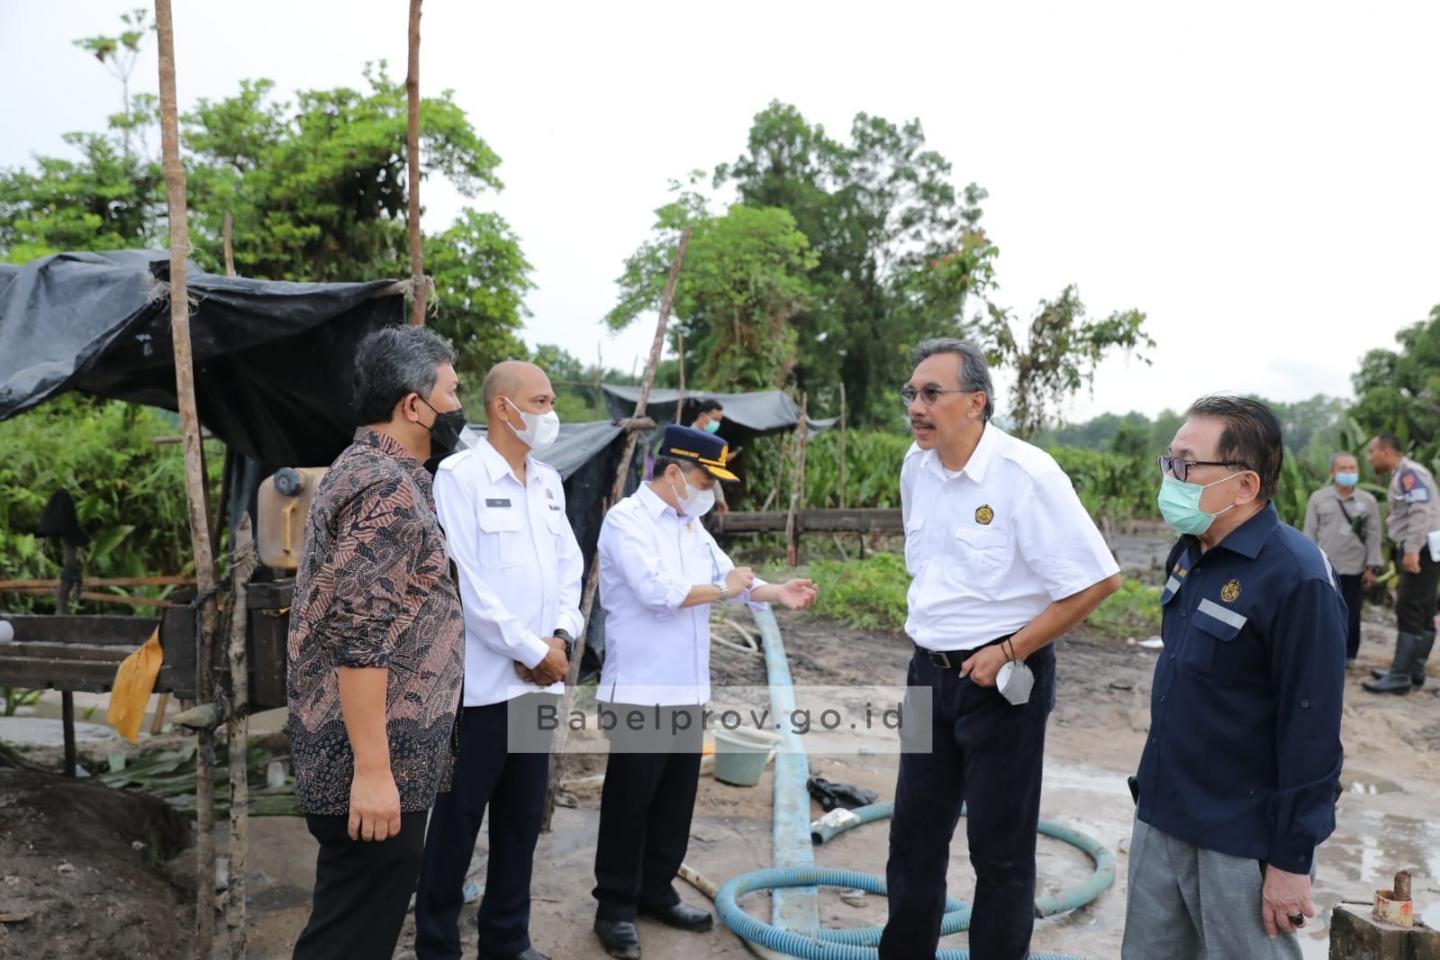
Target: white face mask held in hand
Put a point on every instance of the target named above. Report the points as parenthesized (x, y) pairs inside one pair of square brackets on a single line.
[(540, 431), (1015, 681)]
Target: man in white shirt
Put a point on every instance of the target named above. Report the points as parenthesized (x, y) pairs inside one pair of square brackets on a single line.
[(1004, 559), (660, 570), (520, 568)]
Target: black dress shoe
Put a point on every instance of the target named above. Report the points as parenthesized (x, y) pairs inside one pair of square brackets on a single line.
[(681, 916), (619, 938), (530, 954)]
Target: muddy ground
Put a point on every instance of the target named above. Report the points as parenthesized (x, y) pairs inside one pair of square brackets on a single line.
[(117, 901)]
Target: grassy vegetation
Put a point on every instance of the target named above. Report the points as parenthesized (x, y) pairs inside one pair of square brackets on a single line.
[(1131, 611), (866, 594)]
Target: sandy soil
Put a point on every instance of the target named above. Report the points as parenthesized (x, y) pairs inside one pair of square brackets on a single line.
[(1392, 775)]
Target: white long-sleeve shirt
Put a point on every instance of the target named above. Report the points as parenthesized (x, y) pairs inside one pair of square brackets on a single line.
[(519, 563), (650, 558)]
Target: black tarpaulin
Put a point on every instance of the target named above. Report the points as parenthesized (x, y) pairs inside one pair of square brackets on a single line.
[(274, 361), (764, 412)]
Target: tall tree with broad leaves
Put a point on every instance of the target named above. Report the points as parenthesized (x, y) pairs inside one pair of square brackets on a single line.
[(1398, 391), (899, 251), (744, 281), (317, 187)]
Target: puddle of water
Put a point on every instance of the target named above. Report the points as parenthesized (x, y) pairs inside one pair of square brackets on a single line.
[(1365, 784)]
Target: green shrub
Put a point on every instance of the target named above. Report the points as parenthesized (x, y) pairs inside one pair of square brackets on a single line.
[(1133, 611), (129, 492), (866, 594)]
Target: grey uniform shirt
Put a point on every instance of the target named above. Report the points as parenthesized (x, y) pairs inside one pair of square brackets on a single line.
[(1414, 511), (1326, 524)]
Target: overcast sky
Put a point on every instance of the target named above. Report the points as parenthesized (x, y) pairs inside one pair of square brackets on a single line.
[(1259, 178)]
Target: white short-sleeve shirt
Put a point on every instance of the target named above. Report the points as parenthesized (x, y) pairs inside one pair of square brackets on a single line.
[(990, 546)]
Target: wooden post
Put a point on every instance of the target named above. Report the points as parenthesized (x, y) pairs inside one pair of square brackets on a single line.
[(412, 150), (617, 491), (229, 250), (840, 443), (194, 476), (680, 400), (241, 570), (797, 483), (69, 580)]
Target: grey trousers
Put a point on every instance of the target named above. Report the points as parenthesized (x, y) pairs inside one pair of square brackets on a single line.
[(1186, 903)]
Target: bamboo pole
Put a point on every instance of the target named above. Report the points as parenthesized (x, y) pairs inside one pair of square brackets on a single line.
[(797, 483), (840, 442), (617, 491), (412, 151), (242, 569), (194, 476)]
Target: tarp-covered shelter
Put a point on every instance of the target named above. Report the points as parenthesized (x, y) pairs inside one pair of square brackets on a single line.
[(274, 361), (746, 414)]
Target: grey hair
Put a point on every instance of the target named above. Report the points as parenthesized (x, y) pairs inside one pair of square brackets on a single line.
[(392, 363), (974, 371), (1335, 457)]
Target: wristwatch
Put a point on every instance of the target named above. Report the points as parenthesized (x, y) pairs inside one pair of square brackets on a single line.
[(569, 642), (724, 591)]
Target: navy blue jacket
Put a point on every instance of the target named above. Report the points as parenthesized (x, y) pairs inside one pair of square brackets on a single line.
[(1244, 751)]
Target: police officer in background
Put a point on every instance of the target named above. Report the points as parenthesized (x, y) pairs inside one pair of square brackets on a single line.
[(1239, 777), (1004, 560), (660, 570), (520, 567), (1344, 522), (1414, 514)]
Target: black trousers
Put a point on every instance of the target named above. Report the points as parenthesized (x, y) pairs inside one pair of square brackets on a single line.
[(362, 890), (1352, 591), (512, 786), (646, 806), (1415, 598), (989, 756)]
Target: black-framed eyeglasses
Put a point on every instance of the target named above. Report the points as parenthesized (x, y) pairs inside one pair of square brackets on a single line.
[(930, 394), (1179, 467)]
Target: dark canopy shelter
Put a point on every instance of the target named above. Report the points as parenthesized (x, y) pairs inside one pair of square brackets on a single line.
[(273, 360), (746, 414)]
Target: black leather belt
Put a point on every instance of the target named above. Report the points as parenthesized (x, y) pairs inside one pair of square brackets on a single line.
[(953, 659)]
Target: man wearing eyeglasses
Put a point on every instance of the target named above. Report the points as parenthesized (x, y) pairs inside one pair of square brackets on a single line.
[(1004, 559), (1240, 773)]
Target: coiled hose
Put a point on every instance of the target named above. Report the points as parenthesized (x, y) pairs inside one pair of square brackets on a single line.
[(859, 943)]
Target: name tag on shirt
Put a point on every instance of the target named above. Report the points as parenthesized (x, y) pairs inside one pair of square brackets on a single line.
[(497, 503)]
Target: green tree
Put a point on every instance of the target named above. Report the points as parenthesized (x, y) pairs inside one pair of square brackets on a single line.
[(899, 250), (1058, 353), (744, 281), (316, 186), (1399, 390)]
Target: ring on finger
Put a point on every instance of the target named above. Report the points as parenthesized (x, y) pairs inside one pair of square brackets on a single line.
[(1297, 919)]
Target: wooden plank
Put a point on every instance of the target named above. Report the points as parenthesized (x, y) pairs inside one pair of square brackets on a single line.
[(809, 521), (101, 630), (109, 653), (89, 676)]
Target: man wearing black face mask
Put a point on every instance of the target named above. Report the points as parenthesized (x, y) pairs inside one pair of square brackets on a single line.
[(376, 653)]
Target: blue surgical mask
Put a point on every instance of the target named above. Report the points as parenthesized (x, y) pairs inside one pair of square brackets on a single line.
[(1180, 505), (1347, 479), (713, 426)]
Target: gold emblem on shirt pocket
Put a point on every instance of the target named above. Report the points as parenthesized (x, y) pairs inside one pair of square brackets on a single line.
[(1230, 592), (984, 515)]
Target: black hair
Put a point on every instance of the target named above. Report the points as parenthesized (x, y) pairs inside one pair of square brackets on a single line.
[(974, 371), (1251, 438), (392, 363), (708, 406), (1391, 441)]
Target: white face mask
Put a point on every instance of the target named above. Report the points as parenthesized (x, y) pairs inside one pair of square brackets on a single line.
[(540, 431), (693, 502)]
